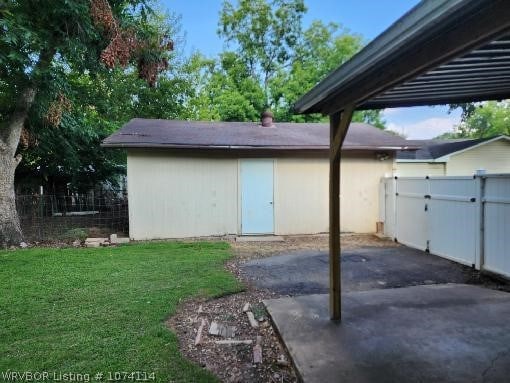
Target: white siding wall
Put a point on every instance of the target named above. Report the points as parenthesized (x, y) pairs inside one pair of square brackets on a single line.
[(494, 157), (173, 197), (301, 196), (359, 199), (177, 197), (420, 169)]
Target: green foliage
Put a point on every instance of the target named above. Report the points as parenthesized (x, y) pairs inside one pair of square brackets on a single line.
[(264, 33), (372, 117), (224, 90), (57, 50), (322, 49), (273, 63), (483, 120), (467, 109), (91, 310)]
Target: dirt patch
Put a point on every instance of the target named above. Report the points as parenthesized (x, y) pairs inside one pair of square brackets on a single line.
[(234, 363), (251, 250), (489, 280)]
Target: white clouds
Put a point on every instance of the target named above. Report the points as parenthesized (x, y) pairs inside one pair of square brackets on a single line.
[(422, 122), (391, 111), (424, 129)]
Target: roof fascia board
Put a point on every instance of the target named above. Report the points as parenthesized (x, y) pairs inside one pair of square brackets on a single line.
[(250, 148), (438, 100)]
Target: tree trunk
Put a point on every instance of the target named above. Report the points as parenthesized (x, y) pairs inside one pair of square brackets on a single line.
[(10, 229)]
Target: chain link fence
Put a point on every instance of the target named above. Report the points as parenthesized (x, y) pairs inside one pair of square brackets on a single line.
[(69, 217)]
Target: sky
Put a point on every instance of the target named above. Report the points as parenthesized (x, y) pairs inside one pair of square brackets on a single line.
[(199, 19)]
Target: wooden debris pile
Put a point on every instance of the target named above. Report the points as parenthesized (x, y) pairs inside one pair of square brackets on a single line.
[(233, 337)]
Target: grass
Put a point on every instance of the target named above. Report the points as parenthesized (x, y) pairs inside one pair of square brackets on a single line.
[(103, 310)]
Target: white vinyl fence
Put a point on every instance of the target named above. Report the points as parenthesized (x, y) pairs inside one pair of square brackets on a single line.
[(465, 219)]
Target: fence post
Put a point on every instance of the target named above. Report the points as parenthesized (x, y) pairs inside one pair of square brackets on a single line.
[(41, 212), (480, 259), (394, 212)]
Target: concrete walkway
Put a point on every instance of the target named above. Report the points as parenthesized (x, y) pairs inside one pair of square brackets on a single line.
[(439, 333)]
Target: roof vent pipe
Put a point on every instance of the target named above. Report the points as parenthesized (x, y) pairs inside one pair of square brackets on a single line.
[(266, 119)]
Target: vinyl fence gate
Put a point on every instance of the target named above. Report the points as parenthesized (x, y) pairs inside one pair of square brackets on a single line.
[(464, 219)]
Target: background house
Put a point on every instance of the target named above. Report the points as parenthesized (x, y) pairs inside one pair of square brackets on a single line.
[(188, 179), (455, 157)]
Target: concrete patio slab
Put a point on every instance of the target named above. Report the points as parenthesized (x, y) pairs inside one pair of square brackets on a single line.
[(434, 333)]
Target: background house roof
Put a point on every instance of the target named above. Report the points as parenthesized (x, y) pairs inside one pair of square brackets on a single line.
[(433, 149), (148, 133)]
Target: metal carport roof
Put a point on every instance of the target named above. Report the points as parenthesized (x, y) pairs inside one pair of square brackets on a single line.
[(441, 51)]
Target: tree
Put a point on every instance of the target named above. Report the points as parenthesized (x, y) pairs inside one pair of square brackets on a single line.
[(481, 120), (40, 46), (224, 90), (322, 48), (265, 35), (284, 60)]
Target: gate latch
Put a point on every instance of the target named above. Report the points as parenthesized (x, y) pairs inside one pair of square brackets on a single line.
[(426, 207)]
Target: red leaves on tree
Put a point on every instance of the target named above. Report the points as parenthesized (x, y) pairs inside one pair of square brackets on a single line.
[(148, 69), (56, 109), (124, 45), (102, 16), (120, 50), (27, 139)]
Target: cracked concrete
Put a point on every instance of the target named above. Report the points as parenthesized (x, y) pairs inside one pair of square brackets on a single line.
[(503, 358)]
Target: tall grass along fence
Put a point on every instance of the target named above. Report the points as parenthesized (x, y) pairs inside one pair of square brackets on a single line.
[(49, 217)]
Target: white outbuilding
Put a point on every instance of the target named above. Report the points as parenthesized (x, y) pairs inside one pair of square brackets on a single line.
[(458, 157), (194, 179)]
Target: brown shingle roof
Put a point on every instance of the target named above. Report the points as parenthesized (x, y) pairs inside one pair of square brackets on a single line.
[(146, 133)]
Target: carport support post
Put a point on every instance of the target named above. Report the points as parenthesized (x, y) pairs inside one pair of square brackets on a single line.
[(338, 125)]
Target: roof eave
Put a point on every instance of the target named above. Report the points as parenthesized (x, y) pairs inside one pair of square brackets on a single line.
[(251, 148), (137, 145)]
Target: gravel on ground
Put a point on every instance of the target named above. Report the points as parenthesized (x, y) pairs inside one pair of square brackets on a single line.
[(320, 242)]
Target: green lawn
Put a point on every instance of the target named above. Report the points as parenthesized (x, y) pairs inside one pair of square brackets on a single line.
[(103, 310)]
